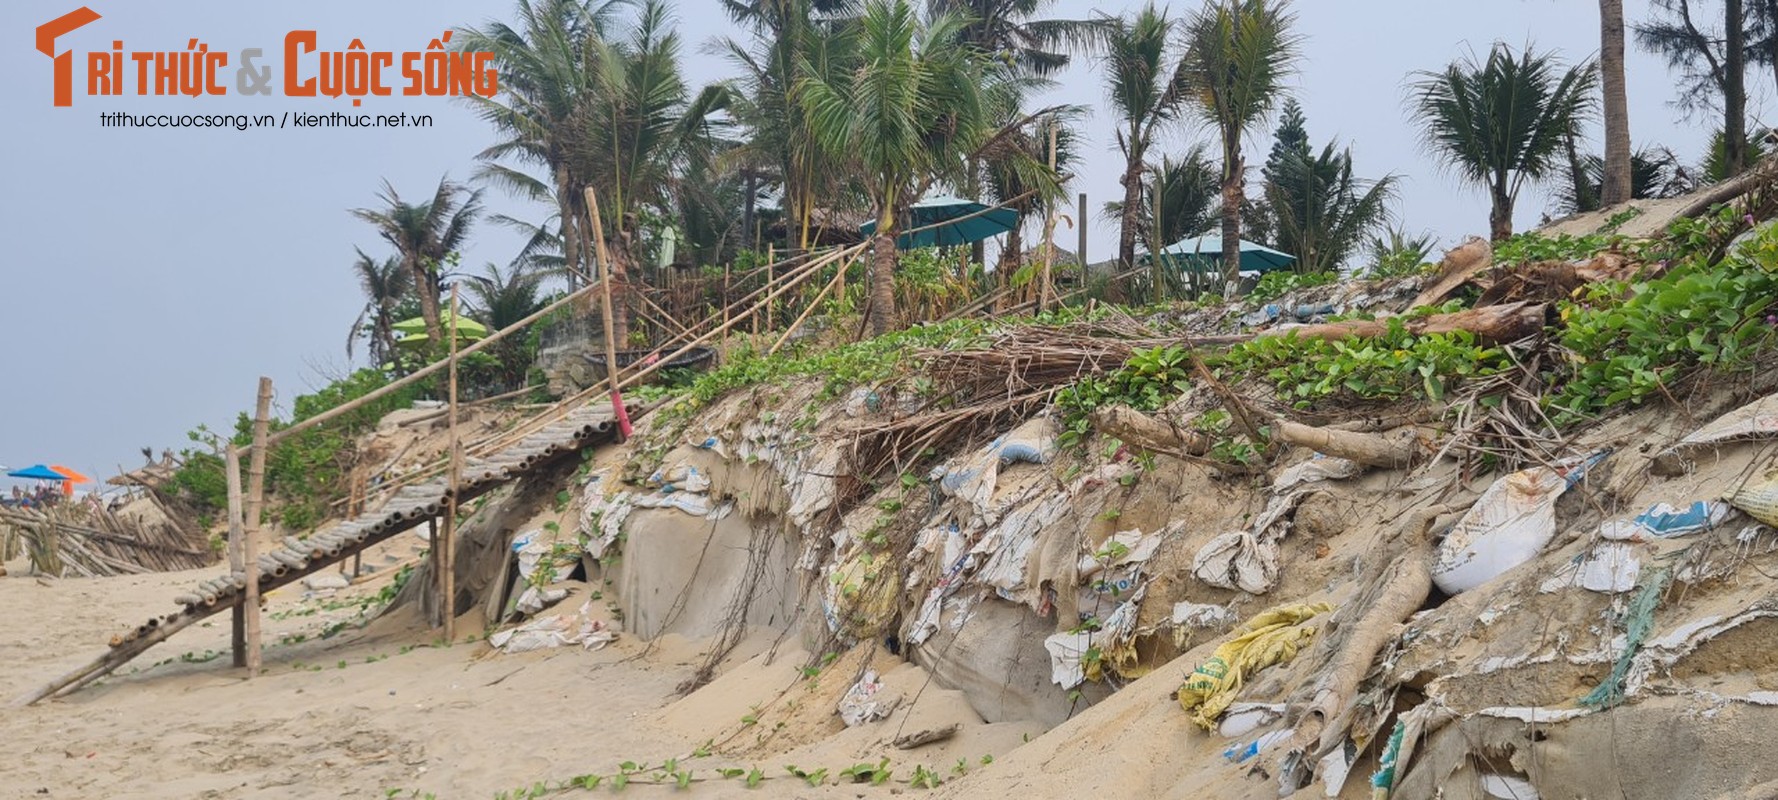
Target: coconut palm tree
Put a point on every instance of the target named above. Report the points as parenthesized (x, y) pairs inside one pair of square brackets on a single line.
[(424, 235), (1712, 64), (787, 36), (1502, 122), (911, 109), (1616, 188), (1147, 90), (1016, 172), (1010, 30), (1323, 213), (1654, 173), (1238, 53), (386, 285), (543, 83)]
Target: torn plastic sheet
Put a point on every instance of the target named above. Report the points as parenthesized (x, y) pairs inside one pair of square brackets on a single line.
[(556, 630), (1756, 420), (1236, 560), (533, 599), (932, 608), (862, 704), (678, 478), (1248, 561), (1242, 752), (1657, 655), (1008, 545), (1663, 521), (602, 518), (1121, 548), (1068, 650), (1609, 567), (530, 551), (1202, 615), (1508, 525), (1758, 496), (1319, 468), (1034, 442), (1508, 787), (695, 504), (1243, 718)]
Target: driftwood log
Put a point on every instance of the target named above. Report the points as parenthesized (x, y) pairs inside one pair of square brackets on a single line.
[(1493, 324), (1396, 448), (1134, 427), (1396, 592), (1461, 264)]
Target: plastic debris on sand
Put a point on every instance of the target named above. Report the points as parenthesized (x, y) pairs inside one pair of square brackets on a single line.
[(1273, 636)]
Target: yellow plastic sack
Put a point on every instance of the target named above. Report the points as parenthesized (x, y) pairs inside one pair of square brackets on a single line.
[(1758, 497), (1272, 637)]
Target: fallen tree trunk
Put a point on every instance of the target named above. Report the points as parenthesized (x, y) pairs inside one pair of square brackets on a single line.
[(1136, 428), (1396, 448), (1492, 324), (1730, 189), (1461, 263), (1393, 596)]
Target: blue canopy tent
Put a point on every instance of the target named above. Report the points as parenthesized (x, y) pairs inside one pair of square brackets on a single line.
[(958, 222), (1204, 254)]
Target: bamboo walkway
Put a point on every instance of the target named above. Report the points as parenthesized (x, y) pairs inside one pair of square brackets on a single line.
[(296, 558)]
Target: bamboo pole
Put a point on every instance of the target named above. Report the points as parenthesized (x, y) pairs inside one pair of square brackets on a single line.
[(237, 558), (446, 577), (1049, 236), (838, 279), (771, 273), (586, 395), (611, 366), (429, 369), (262, 420)]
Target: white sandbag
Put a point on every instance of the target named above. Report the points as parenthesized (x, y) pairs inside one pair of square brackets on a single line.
[(1508, 526)]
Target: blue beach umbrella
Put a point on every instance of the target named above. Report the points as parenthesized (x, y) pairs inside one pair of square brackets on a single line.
[(1205, 253), (37, 472), (934, 211)]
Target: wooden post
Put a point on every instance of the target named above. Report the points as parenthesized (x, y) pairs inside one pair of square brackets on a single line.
[(432, 563), (447, 590), (237, 561), (726, 268), (771, 275), (611, 369), (1080, 224), (262, 422), (1049, 237)]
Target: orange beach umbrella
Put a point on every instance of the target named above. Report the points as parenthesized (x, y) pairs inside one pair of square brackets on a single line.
[(70, 478)]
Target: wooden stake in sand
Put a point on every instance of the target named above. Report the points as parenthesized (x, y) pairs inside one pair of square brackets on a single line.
[(237, 547), (262, 421), (611, 370), (447, 589)]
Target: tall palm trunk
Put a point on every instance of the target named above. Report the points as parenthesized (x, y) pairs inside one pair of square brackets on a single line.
[(1010, 255), (426, 285), (1500, 213), (1132, 212), (1734, 102), (882, 273), (1233, 177), (565, 207), (1616, 188)]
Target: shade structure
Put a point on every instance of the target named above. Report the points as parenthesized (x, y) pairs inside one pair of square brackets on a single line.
[(957, 221), (1205, 253), (466, 328), (37, 472), (69, 474)]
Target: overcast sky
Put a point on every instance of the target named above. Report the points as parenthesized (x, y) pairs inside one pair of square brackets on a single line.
[(150, 276)]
